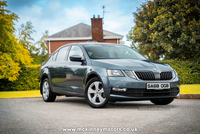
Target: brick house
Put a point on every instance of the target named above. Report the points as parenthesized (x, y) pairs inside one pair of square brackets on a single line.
[(82, 33)]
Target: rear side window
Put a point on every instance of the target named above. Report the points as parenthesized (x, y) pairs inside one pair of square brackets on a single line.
[(62, 53), (53, 57)]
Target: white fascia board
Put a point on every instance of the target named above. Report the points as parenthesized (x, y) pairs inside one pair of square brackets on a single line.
[(82, 38), (112, 37), (71, 38)]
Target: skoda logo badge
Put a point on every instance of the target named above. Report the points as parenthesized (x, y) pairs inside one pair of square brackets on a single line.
[(154, 69)]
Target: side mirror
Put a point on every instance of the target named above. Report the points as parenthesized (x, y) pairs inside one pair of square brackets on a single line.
[(76, 58)]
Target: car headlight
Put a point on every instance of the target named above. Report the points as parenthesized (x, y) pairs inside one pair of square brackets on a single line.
[(176, 73), (117, 73), (130, 74)]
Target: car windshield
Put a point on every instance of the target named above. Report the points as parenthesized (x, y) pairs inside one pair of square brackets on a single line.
[(112, 52)]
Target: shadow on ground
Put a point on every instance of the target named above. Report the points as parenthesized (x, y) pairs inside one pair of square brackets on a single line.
[(141, 105)]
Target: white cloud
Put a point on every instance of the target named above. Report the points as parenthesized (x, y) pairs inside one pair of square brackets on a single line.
[(77, 14), (65, 19), (120, 24)]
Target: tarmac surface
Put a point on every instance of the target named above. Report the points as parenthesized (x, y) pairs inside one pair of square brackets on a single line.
[(33, 115)]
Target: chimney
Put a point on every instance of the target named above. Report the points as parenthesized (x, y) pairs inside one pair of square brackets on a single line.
[(97, 29)]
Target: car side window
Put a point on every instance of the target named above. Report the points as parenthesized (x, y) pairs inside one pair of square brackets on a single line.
[(62, 53), (75, 50), (53, 57)]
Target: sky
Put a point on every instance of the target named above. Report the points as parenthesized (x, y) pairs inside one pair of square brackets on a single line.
[(57, 15)]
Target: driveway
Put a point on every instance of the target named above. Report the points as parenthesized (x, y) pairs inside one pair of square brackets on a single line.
[(32, 115)]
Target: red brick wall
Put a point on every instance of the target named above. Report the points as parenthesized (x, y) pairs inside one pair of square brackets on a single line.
[(56, 44), (97, 29), (111, 41)]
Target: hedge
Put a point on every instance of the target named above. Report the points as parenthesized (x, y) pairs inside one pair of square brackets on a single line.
[(27, 80), (188, 72)]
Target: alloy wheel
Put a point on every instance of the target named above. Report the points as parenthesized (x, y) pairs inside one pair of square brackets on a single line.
[(96, 93), (45, 91)]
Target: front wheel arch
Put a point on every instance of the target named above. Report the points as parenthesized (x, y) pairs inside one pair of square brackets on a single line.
[(91, 76)]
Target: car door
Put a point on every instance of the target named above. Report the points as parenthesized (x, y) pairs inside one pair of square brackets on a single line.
[(74, 71), (52, 68), (56, 69)]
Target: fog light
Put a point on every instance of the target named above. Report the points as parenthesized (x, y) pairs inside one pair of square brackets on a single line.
[(118, 89)]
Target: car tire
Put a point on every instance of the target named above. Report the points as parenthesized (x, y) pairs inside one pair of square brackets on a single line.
[(162, 101), (47, 94), (94, 93)]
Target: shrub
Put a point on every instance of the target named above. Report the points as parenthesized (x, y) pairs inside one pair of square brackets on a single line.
[(27, 80), (188, 72)]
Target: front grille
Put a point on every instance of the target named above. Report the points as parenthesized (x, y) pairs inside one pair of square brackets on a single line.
[(147, 92), (148, 75), (145, 75), (165, 75)]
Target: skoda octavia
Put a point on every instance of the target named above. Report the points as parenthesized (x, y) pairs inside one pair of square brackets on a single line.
[(103, 72)]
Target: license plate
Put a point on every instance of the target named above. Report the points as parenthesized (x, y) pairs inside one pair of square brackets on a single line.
[(158, 86)]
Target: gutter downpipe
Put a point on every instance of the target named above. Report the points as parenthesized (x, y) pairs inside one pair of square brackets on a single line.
[(49, 49)]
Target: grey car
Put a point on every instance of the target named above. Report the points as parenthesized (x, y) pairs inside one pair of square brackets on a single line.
[(104, 72)]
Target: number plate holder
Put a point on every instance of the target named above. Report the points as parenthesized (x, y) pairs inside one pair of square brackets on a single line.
[(158, 86)]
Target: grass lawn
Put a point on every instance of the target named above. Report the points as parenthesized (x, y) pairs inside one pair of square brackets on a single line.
[(184, 89), (20, 94), (190, 89)]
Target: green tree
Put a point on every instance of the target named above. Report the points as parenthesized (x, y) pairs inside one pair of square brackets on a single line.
[(168, 29), (42, 55), (12, 54), (26, 40), (39, 54)]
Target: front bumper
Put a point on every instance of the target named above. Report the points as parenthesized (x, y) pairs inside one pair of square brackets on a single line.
[(137, 90), (144, 94)]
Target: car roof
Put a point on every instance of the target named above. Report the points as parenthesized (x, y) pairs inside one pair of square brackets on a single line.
[(90, 43), (95, 43)]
